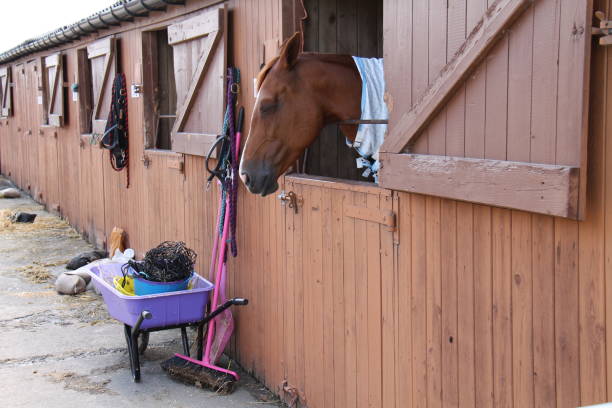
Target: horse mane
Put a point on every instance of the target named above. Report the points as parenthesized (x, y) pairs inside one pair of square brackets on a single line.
[(330, 58)]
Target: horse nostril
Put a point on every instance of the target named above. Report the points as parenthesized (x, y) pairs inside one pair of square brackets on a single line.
[(245, 178)]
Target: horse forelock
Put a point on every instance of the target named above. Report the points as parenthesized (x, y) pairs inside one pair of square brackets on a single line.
[(264, 72)]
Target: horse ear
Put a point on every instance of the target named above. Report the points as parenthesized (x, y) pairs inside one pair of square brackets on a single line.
[(291, 50)]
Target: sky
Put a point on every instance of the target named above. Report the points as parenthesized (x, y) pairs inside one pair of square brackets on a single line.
[(25, 19)]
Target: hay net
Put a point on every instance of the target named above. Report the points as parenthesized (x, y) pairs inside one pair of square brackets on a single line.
[(170, 261)]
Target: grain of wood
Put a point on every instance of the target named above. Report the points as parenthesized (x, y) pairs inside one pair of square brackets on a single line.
[(522, 306), (420, 72), (567, 341), (466, 306), (593, 384), (538, 188), (520, 57), (374, 305), (389, 316), (479, 42), (573, 97), (338, 268), (450, 297), (438, 45), (501, 262), (545, 74), (403, 303), (350, 283), (418, 301), (543, 269), (433, 302)]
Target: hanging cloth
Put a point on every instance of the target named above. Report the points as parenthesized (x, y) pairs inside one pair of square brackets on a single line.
[(370, 136)]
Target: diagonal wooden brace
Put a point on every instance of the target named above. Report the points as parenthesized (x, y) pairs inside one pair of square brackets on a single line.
[(485, 35)]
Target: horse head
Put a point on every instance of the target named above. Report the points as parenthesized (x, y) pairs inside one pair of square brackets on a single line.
[(297, 95)]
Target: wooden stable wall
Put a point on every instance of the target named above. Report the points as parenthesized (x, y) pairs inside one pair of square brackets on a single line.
[(461, 305)]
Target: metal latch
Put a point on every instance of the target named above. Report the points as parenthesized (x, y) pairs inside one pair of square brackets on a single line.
[(290, 198), (146, 160), (604, 31)]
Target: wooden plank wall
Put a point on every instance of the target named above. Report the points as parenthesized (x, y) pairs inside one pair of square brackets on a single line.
[(515, 105), (337, 267), (349, 27), (462, 306), (64, 171)]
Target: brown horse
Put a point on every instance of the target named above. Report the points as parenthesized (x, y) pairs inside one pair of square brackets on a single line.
[(298, 94)]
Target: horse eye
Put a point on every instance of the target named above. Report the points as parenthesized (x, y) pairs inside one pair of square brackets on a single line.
[(268, 107)]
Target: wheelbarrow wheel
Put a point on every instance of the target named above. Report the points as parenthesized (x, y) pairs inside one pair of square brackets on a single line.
[(144, 342)]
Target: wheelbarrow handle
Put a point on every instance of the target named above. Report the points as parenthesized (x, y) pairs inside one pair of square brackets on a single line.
[(224, 306), (239, 301), (145, 314)]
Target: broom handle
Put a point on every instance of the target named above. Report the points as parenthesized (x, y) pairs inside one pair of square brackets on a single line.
[(220, 264)]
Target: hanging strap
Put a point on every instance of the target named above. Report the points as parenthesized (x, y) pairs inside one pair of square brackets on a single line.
[(115, 136), (226, 169)]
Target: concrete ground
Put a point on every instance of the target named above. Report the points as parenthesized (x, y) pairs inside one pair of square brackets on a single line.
[(65, 351)]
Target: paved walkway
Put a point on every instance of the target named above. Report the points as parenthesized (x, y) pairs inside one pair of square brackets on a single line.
[(65, 351)]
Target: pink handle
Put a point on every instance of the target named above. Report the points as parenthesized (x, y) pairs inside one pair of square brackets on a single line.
[(211, 324), (220, 264)]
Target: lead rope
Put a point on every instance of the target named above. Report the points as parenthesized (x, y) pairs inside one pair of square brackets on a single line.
[(226, 169), (233, 82)]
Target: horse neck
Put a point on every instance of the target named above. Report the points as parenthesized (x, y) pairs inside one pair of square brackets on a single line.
[(339, 89)]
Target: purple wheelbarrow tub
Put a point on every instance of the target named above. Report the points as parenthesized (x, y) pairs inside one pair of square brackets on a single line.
[(168, 309)]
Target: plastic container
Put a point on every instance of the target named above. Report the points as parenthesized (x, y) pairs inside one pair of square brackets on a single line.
[(125, 286), (168, 309), (147, 287)]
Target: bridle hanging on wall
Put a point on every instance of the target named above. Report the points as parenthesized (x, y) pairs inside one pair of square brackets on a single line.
[(116, 134)]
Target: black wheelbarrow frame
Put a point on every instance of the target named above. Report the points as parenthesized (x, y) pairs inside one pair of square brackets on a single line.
[(132, 334)]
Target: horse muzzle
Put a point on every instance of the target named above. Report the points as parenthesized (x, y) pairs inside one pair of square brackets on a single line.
[(259, 177)]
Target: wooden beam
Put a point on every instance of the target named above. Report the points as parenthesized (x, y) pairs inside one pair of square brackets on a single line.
[(198, 77), (52, 60), (108, 60), (195, 27), (538, 188), (484, 36), (4, 91), (56, 81), (196, 144), (384, 217), (100, 47)]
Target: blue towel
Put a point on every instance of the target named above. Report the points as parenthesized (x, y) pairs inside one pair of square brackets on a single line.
[(373, 106)]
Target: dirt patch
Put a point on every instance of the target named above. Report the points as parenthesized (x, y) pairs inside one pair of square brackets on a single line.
[(46, 293), (86, 308), (42, 224), (111, 368), (80, 383), (35, 272)]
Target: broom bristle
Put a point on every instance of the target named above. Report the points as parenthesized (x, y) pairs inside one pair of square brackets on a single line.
[(200, 376)]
